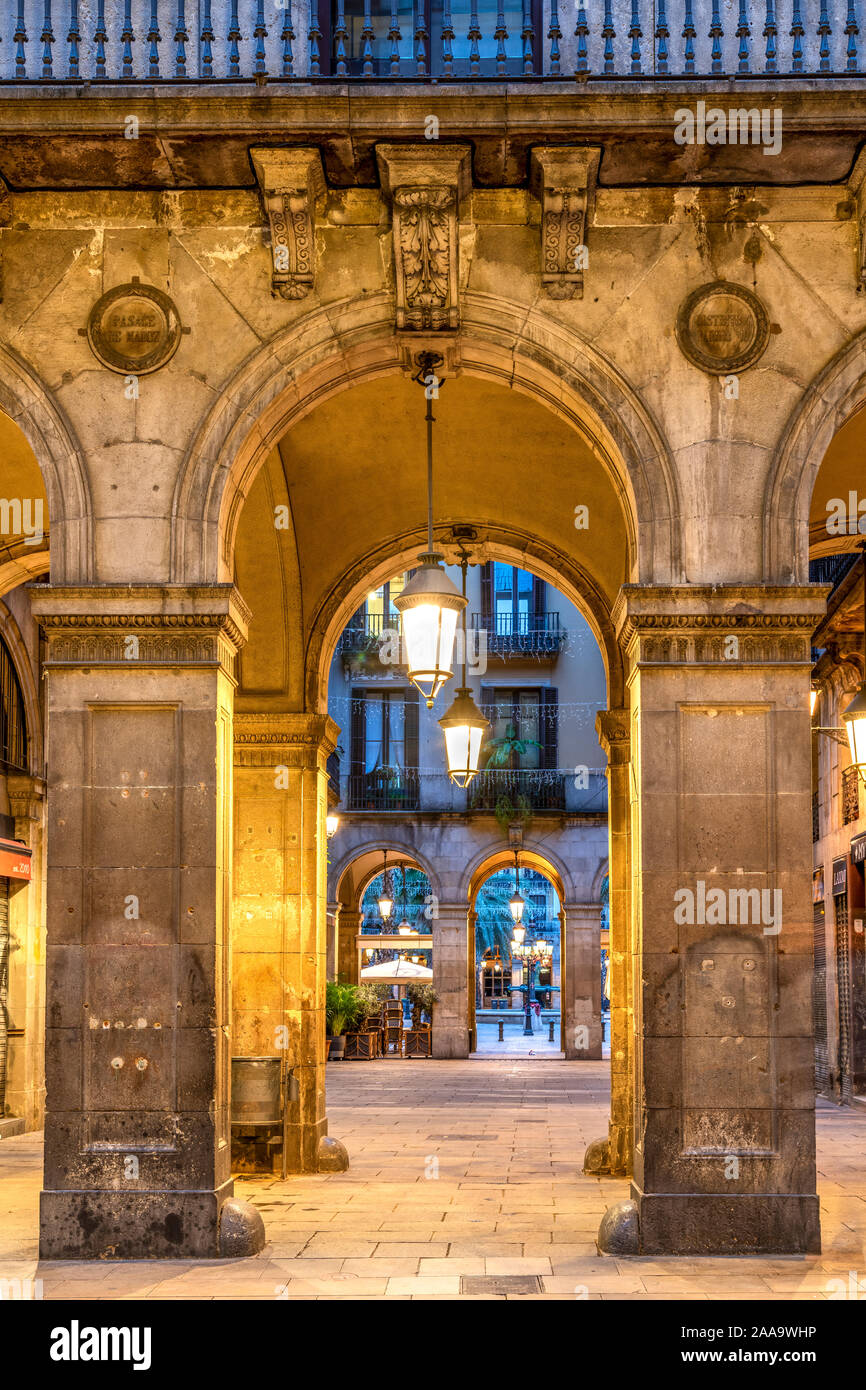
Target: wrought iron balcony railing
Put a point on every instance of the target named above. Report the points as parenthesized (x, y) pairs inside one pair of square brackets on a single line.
[(158, 41), (524, 635), (427, 790), (365, 634)]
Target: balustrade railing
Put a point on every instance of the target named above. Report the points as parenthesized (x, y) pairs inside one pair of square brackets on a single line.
[(258, 41)]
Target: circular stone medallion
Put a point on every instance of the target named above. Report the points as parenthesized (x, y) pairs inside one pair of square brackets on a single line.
[(134, 329), (722, 328)]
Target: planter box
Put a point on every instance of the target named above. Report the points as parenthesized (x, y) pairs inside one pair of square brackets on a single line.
[(416, 1042), (362, 1047)]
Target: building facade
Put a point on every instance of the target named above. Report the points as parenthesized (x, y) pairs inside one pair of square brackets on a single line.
[(536, 672), (635, 242)]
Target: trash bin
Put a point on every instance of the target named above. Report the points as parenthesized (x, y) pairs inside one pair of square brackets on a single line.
[(256, 1091)]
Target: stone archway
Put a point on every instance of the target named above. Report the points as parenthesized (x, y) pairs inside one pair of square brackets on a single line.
[(33, 409), (580, 972), (346, 344), (830, 400)]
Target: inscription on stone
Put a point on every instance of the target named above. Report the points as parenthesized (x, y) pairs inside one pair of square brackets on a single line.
[(722, 328), (134, 329)]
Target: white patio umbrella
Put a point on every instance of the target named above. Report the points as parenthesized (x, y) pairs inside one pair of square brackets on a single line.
[(396, 971)]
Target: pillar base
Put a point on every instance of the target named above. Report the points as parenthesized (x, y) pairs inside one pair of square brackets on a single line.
[(110, 1225), (751, 1223), (596, 1160), (241, 1229), (450, 1043)]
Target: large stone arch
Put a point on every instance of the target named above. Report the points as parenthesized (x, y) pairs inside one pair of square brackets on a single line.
[(515, 545), (11, 634), (830, 399), (376, 845), (332, 349), (26, 400)]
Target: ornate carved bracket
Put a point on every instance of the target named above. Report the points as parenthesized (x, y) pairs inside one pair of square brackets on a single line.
[(290, 182), (425, 187), (857, 187), (563, 180)]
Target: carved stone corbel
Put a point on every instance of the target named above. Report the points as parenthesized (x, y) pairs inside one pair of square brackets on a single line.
[(563, 180), (857, 189), (290, 182), (425, 188)]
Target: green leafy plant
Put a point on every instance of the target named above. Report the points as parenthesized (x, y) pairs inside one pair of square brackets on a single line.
[(341, 1007), (422, 997), (370, 1000), (502, 751)]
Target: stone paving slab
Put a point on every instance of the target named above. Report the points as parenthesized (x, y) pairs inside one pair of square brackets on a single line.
[(504, 1198)]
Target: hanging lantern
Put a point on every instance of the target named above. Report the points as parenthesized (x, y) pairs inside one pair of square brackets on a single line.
[(516, 904), (386, 901), (332, 823), (405, 928), (464, 727), (429, 607), (854, 719)]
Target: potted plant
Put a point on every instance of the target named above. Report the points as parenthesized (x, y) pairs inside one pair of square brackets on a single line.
[(362, 1038), (422, 997), (341, 1005)]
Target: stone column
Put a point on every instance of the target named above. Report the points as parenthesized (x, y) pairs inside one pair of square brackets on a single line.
[(140, 693), (280, 928), (724, 1158), (27, 919), (348, 926), (450, 980), (613, 1155), (581, 982)]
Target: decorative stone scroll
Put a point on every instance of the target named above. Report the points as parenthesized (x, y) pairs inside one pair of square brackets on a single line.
[(425, 187), (290, 181), (563, 180)]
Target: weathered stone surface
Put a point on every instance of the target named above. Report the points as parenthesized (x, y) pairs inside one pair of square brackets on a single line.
[(619, 1232), (241, 1229), (332, 1156)]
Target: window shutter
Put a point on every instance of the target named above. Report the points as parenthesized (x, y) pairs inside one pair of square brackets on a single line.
[(358, 727), (410, 715), (539, 597), (487, 592), (550, 717)]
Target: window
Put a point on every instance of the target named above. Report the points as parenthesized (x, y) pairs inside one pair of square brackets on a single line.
[(13, 727), (384, 740), (381, 612), (404, 17), (525, 715), (512, 599)]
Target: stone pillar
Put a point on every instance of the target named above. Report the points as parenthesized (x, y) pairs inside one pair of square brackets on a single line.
[(613, 1155), (348, 926), (280, 928), (140, 693), (581, 982), (450, 980), (27, 920), (724, 1158)]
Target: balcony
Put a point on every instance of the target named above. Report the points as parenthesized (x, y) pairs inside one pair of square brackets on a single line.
[(521, 635), (384, 789), (432, 792), (539, 790), (251, 41), (850, 795)]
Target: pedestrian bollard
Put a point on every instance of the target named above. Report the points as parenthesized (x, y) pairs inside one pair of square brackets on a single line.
[(501, 1032), (550, 1031)]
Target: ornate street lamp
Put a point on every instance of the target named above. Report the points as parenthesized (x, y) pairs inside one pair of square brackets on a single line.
[(430, 602), (332, 823), (386, 901), (516, 903), (854, 717), (464, 725), (404, 926)]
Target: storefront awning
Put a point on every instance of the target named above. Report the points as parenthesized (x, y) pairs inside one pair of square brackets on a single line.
[(14, 860)]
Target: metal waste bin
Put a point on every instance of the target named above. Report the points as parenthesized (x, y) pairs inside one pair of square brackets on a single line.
[(256, 1091)]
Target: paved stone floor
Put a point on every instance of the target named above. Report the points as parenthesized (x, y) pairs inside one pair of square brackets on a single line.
[(459, 1170)]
